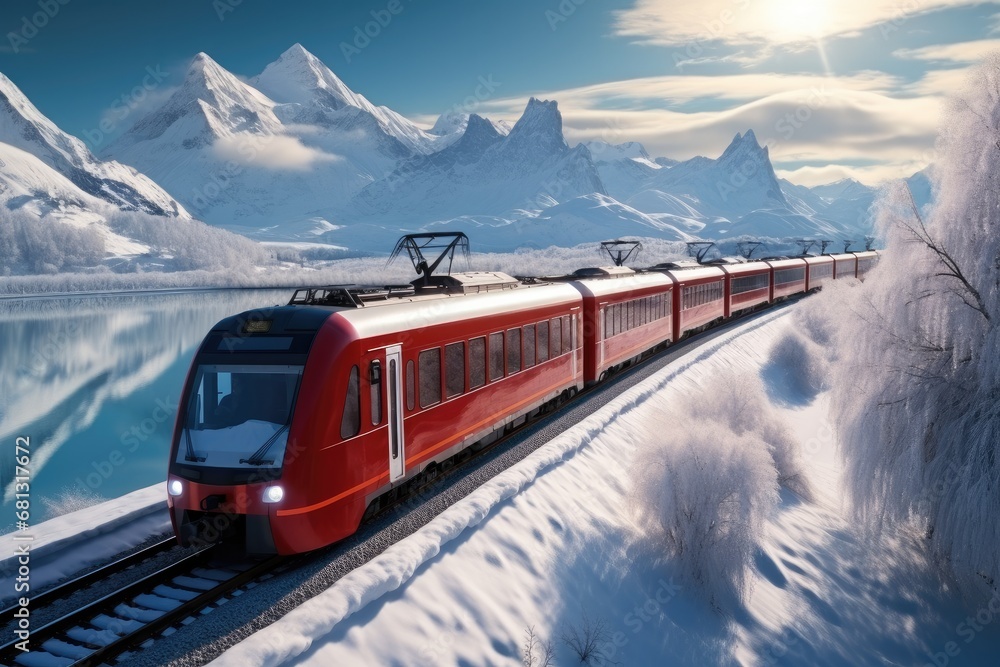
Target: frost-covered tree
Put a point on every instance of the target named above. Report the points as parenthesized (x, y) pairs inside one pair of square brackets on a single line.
[(918, 379)]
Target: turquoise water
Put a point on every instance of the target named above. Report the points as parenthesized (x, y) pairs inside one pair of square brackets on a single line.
[(94, 383)]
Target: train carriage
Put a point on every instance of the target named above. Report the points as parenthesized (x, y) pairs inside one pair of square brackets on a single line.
[(788, 277), (747, 286), (819, 271), (866, 262), (699, 297), (625, 313), (845, 265), (339, 404)]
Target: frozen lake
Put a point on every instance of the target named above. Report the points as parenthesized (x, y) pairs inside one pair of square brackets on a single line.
[(94, 382)]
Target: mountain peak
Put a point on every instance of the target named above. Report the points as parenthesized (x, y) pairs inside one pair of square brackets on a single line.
[(540, 127), (206, 79), (744, 144), (297, 76), (296, 50)]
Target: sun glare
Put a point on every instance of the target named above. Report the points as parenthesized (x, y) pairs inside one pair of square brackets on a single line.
[(798, 20)]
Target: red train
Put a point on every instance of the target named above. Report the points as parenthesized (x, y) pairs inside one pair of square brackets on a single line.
[(297, 420)]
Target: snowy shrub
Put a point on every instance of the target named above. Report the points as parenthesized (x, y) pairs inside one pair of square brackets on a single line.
[(71, 500), (917, 389), (712, 480), (46, 246), (705, 498), (193, 244), (739, 401), (797, 367)]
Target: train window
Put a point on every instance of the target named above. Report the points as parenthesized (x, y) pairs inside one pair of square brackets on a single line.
[(430, 377), (543, 341), (556, 339), (477, 362), (496, 356), (350, 424), (567, 334), (375, 383), (411, 389), (529, 345), (513, 350), (573, 343), (454, 369)]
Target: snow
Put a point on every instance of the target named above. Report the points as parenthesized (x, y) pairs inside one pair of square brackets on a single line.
[(67, 544), (23, 126), (552, 544), (228, 447), (558, 542)]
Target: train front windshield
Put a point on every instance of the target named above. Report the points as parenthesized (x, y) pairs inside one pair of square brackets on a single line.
[(238, 416)]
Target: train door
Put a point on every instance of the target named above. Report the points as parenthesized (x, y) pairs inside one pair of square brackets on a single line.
[(397, 452), (573, 343)]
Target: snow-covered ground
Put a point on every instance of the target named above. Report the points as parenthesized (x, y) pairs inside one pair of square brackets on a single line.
[(553, 545), (63, 546)]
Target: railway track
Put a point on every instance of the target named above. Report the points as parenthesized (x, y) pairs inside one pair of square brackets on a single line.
[(125, 620)]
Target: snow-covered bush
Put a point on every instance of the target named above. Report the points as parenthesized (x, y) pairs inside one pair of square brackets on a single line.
[(707, 497), (193, 245), (71, 500), (49, 246), (797, 365), (711, 480), (917, 386)]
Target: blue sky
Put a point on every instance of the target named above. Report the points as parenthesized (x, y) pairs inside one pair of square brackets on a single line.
[(834, 87)]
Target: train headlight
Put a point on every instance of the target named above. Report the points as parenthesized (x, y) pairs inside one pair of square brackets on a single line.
[(273, 494), (176, 487)]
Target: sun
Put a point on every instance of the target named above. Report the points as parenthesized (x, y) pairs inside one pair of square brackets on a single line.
[(797, 20)]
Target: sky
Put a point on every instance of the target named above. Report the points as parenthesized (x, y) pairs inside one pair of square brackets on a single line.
[(833, 88)]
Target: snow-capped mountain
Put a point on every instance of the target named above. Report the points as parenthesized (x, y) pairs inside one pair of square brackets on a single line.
[(291, 141), (739, 181), (487, 173), (25, 128), (294, 154), (312, 94), (238, 158)]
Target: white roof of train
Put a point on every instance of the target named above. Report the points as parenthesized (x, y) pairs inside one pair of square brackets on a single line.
[(407, 313)]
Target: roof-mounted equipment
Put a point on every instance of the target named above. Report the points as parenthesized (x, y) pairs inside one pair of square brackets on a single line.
[(805, 245), (621, 251), (698, 249), (415, 245), (746, 249)]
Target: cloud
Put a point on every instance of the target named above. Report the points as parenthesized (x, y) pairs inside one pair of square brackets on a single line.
[(129, 107), (803, 119), (762, 22), (830, 173), (280, 153), (664, 91), (960, 52), (942, 83)]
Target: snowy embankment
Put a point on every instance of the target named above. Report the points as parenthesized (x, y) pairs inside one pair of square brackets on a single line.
[(63, 546), (559, 544)]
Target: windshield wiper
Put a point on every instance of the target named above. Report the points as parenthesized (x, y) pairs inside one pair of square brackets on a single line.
[(191, 455), (258, 457)]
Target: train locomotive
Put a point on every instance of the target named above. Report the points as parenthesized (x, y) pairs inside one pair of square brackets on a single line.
[(297, 421)]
